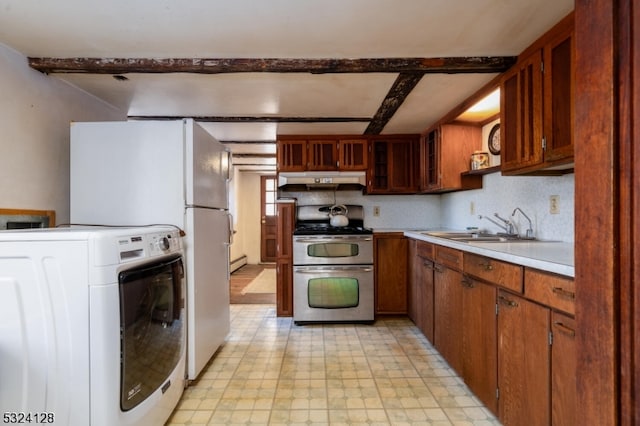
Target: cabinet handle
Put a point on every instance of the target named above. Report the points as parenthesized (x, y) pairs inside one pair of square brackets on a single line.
[(562, 292), (563, 328), (506, 302), (487, 266), (427, 264), (466, 282), (438, 268)]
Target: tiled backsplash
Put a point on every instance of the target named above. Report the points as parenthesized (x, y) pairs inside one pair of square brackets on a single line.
[(459, 210), (502, 194)]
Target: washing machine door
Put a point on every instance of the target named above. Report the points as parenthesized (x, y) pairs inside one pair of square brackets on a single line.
[(151, 327)]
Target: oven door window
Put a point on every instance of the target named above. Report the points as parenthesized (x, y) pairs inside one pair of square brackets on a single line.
[(333, 293), (151, 328), (328, 250)]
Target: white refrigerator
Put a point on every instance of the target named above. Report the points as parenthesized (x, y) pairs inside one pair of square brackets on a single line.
[(163, 172)]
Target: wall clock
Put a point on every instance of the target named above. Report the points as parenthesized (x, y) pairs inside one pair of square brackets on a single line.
[(494, 140)]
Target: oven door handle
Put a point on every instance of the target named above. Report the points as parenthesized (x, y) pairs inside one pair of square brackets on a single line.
[(333, 239), (321, 269)]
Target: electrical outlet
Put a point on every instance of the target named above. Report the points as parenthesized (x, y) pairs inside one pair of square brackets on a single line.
[(472, 208), (554, 204), (376, 210)]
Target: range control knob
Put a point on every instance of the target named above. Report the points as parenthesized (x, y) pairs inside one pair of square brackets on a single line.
[(164, 243)]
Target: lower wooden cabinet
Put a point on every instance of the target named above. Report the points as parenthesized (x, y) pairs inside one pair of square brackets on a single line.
[(563, 370), (524, 361), (479, 341), (448, 315), (420, 286), (285, 222), (390, 250)]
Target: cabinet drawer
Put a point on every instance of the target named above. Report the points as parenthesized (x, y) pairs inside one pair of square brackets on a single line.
[(494, 271), (448, 257), (424, 249), (555, 291)]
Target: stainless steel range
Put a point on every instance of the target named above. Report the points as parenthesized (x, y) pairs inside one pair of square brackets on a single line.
[(332, 267)]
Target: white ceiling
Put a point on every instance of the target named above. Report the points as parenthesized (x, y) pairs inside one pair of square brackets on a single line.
[(296, 29)]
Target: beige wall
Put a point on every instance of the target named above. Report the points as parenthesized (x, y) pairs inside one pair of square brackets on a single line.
[(247, 222), (35, 112)]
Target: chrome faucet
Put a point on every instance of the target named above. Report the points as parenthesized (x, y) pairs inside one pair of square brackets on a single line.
[(507, 227), (529, 234)]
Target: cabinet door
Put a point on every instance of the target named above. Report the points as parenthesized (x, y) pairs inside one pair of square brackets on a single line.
[(430, 161), (558, 96), (523, 361), (403, 166), (391, 274), (563, 371), (353, 154), (393, 167), (479, 341), (323, 155), (448, 315), (420, 290), (284, 287), (521, 114), (285, 222), (292, 155)]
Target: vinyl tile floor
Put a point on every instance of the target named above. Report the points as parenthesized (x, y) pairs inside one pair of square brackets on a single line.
[(271, 371)]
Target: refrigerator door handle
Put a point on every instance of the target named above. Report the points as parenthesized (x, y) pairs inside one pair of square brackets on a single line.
[(230, 217), (228, 163)]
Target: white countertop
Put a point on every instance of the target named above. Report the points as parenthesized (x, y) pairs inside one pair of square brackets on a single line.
[(550, 256)]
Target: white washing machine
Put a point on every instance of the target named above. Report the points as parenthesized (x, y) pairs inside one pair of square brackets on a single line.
[(92, 325)]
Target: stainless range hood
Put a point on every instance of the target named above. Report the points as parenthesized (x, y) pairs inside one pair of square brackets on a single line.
[(296, 181)]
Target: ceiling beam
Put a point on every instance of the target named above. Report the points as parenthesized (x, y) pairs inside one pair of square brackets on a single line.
[(447, 65), (401, 88), (258, 119)]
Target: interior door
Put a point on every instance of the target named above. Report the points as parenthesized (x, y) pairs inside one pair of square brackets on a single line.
[(268, 231)]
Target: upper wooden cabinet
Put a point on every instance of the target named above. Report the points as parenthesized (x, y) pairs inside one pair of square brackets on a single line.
[(393, 165), (536, 107), (321, 153), (445, 153), (291, 155), (353, 154)]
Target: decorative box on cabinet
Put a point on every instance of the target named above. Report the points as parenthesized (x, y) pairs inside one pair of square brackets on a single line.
[(445, 157), (536, 108)]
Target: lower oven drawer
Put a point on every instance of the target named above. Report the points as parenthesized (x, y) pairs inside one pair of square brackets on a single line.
[(333, 293)]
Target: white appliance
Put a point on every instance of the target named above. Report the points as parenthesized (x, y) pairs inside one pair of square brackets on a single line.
[(164, 172), (92, 325)]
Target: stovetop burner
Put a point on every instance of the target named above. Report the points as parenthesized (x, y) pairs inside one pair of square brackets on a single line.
[(315, 220), (327, 229)]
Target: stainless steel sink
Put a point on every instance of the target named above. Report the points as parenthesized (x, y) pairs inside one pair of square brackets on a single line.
[(469, 237)]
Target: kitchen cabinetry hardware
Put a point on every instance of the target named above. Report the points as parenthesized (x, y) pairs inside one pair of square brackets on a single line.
[(486, 265), (438, 268), (562, 292), (466, 282), (563, 328), (507, 302)]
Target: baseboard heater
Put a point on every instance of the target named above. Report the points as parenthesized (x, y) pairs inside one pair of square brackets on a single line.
[(238, 263)]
